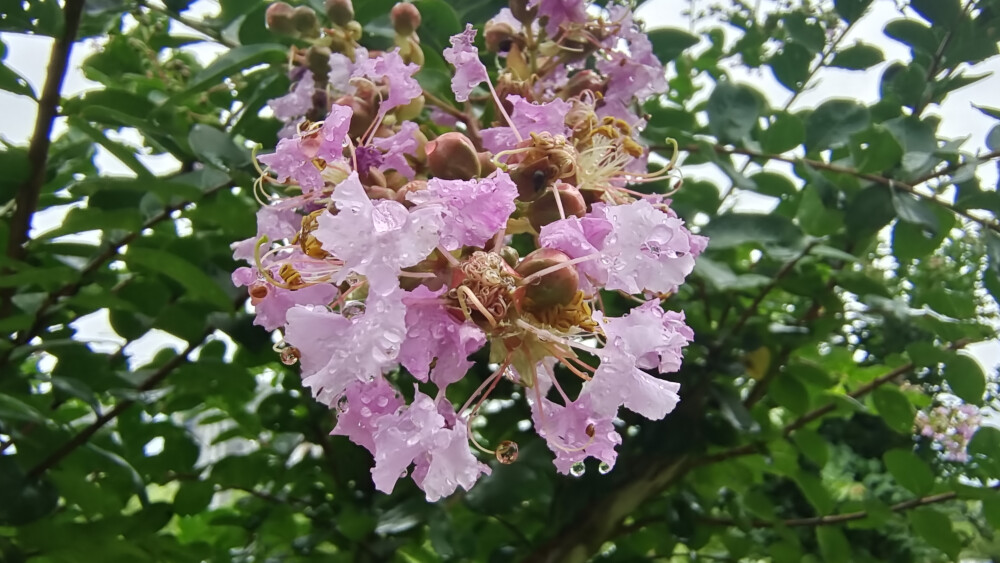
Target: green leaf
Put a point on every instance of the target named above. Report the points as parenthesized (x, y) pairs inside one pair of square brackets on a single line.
[(733, 110), (815, 492), (851, 10), (80, 219), (877, 150), (934, 527), (812, 445), (670, 42), (814, 217), (785, 133), (992, 112), (991, 511), (909, 471), (938, 12), (191, 277), (791, 66), (833, 122), (993, 138), (790, 393), (804, 31), (833, 544), (23, 500), (894, 408), (910, 241), (734, 229), (13, 82), (216, 147), (860, 56), (913, 33), (193, 497), (443, 22), (230, 63), (915, 211), (966, 378), (985, 447)]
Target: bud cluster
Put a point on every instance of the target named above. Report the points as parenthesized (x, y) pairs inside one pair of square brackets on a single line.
[(950, 428), (385, 250)]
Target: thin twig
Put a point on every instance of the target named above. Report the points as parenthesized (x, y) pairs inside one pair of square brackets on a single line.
[(201, 28)]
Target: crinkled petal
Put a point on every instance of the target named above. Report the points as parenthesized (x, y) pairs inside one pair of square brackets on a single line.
[(397, 147), (296, 103), (529, 118), (289, 161), (473, 210), (436, 337), (575, 432), (464, 56), (361, 407)]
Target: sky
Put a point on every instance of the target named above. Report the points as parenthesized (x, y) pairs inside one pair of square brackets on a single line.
[(29, 55)]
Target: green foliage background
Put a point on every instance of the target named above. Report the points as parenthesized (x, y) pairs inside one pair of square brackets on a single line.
[(821, 327)]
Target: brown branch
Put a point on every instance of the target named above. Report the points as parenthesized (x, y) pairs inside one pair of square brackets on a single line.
[(888, 182), (96, 263), (150, 382), (841, 518), (26, 199)]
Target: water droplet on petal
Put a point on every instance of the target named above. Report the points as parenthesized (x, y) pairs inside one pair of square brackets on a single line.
[(352, 309), (342, 405), (289, 355), (507, 452), (590, 430), (604, 468), (577, 469), (382, 401)]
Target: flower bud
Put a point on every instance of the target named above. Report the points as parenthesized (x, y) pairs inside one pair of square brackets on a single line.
[(555, 288), (362, 117), (486, 164), (340, 12), (318, 59), (410, 187), (305, 21), (581, 82), (521, 11), (394, 180), (405, 18), (279, 18), (510, 255), (531, 178), (354, 30), (412, 109), (500, 37), (545, 210), (452, 156)]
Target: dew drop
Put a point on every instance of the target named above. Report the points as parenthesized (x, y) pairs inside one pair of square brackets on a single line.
[(382, 401), (366, 412), (258, 290), (353, 309), (590, 430), (604, 468), (507, 452), (289, 355), (577, 469)]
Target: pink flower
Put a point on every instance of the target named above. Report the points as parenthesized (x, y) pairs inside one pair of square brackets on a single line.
[(436, 338), (578, 238), (529, 118), (575, 432), (420, 434), (398, 76), (333, 132), (296, 103), (473, 210), (276, 222), (396, 147), (272, 308), (361, 406), (559, 12), (646, 338), (289, 161), (376, 239), (336, 350), (464, 56)]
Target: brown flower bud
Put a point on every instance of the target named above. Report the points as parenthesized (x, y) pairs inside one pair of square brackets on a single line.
[(279, 18), (486, 164), (555, 288), (545, 210), (305, 21), (340, 12), (531, 178), (405, 18), (318, 59), (521, 12), (500, 37), (452, 156), (363, 115), (581, 82)]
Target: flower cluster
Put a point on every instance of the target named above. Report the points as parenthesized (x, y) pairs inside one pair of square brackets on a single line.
[(950, 428), (386, 249)]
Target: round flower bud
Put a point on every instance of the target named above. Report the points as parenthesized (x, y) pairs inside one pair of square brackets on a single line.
[(555, 288), (394, 180), (412, 109), (362, 117), (581, 82), (510, 255), (318, 59), (500, 37), (452, 156), (305, 21), (531, 178), (521, 12), (486, 164), (354, 30), (279, 18), (545, 210), (405, 18), (340, 12)]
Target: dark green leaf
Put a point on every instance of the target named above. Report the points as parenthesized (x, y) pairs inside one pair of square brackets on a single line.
[(833, 122), (670, 42), (860, 56), (216, 147), (791, 66), (733, 109), (790, 393), (915, 211), (23, 500), (233, 62), (913, 33), (966, 378), (734, 229), (785, 133), (833, 544), (191, 277), (934, 527), (851, 10), (13, 82), (909, 471), (814, 217), (894, 408)]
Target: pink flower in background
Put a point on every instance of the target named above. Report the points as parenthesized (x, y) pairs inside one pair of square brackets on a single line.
[(464, 56)]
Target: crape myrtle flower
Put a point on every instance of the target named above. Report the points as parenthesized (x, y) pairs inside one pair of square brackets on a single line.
[(384, 251), (949, 429)]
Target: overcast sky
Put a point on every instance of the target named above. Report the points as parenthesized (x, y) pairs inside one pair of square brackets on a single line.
[(29, 55)]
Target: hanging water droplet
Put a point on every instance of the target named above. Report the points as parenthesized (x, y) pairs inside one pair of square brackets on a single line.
[(507, 452), (577, 469), (342, 405), (289, 355), (258, 290), (352, 309), (403, 474), (604, 468), (510, 374), (590, 430)]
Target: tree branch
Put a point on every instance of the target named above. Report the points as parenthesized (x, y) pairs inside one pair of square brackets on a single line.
[(841, 518), (26, 199), (150, 382)]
